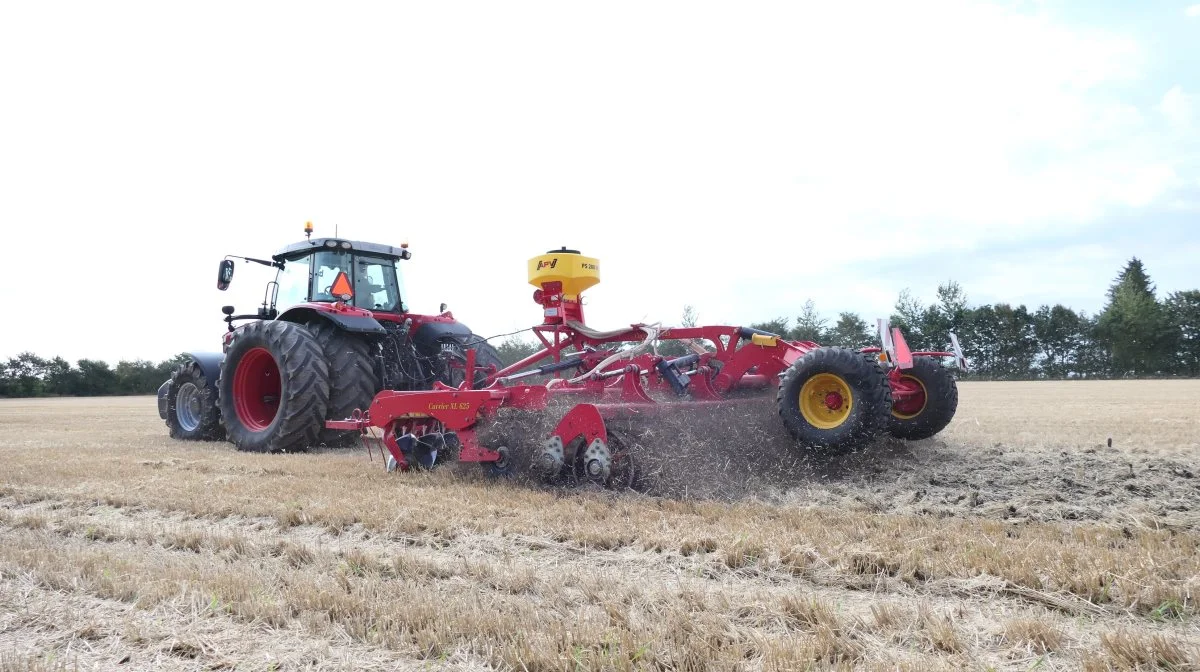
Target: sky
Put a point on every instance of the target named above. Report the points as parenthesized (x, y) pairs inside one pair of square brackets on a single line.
[(740, 158)]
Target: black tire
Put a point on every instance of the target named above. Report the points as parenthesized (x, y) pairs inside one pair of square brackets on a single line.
[(353, 381), (940, 402), (485, 355), (453, 351), (281, 371), (199, 419), (862, 420)]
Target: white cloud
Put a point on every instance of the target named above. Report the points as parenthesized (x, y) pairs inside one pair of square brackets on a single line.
[(1178, 107), (1193, 11)]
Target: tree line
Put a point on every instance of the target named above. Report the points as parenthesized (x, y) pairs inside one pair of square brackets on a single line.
[(28, 375), (1135, 335)]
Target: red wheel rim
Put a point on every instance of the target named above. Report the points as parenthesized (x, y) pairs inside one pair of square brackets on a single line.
[(256, 388), (910, 406)]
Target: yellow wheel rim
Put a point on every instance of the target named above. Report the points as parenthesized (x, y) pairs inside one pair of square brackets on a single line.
[(826, 401), (911, 408)]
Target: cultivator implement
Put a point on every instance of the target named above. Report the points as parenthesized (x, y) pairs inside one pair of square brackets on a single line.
[(826, 397)]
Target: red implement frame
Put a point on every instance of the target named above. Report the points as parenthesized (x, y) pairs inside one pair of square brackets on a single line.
[(736, 358)]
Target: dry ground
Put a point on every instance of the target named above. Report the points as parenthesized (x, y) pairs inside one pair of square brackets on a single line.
[(1018, 539)]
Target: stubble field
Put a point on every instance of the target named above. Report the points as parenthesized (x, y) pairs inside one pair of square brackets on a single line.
[(1017, 539)]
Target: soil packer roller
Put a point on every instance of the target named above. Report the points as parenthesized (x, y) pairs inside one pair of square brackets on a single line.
[(828, 398)]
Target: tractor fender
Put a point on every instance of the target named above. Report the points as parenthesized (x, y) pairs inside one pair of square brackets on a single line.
[(427, 335), (359, 324), (210, 366), (162, 399)]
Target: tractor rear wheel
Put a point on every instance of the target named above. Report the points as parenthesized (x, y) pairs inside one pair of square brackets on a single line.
[(452, 360), (192, 413), (274, 389), (835, 399), (927, 412), (353, 382)]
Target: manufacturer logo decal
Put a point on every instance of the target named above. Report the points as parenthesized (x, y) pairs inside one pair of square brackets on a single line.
[(547, 264), (449, 406)]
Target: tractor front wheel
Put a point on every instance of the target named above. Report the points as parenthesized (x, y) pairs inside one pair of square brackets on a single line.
[(192, 413), (834, 399), (274, 388), (926, 398)]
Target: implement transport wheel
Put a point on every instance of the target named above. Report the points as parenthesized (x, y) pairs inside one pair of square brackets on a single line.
[(931, 408), (352, 378), (192, 413), (274, 388), (834, 398)]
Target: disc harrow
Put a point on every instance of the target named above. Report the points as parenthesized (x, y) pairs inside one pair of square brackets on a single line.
[(828, 398)]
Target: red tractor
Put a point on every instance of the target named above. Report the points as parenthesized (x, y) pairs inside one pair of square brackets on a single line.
[(332, 332)]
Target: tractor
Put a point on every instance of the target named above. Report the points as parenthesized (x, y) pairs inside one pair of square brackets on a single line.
[(332, 332)]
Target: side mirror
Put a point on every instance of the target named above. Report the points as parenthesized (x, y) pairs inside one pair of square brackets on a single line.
[(228, 310), (225, 274), (442, 308)]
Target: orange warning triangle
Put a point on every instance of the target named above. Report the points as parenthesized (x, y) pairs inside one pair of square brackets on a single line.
[(341, 286)]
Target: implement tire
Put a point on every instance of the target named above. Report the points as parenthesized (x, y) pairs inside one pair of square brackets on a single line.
[(353, 382), (928, 413), (274, 389), (192, 413), (834, 399)]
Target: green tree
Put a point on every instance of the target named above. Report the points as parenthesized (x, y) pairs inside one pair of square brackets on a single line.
[(851, 331), (948, 315), (1060, 334), (25, 375), (980, 339), (96, 378), (61, 378), (164, 369), (778, 326), (909, 316), (1183, 314), (1134, 324), (675, 348), (1016, 346), (514, 349), (1095, 357), (810, 326), (136, 377)]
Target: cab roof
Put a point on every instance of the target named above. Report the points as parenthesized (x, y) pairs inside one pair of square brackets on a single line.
[(306, 247)]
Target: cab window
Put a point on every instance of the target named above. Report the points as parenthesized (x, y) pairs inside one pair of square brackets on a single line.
[(326, 267), (293, 283), (375, 284)]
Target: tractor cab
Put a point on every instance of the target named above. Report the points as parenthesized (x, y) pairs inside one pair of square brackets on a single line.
[(328, 270)]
